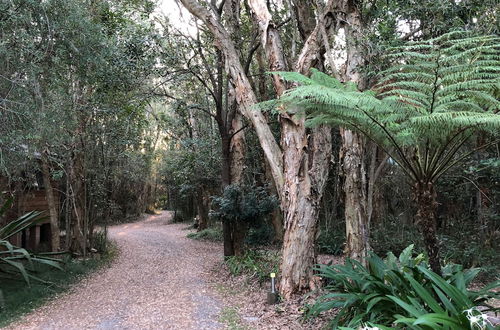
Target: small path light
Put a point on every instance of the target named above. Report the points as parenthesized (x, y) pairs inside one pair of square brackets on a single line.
[(272, 297)]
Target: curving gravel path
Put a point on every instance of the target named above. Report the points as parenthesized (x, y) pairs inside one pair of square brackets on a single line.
[(157, 282)]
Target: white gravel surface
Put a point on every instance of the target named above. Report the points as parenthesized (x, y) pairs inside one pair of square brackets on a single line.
[(157, 282)]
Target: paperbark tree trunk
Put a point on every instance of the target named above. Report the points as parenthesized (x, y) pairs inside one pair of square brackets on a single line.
[(49, 195), (355, 184), (306, 170), (357, 226), (300, 182), (306, 157), (426, 218)]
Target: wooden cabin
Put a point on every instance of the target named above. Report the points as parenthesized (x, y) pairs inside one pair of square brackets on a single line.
[(30, 197)]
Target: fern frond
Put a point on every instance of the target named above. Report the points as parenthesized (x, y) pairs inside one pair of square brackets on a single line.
[(429, 103)]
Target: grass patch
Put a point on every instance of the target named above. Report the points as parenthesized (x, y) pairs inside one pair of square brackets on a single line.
[(209, 234), (230, 317), (19, 298)]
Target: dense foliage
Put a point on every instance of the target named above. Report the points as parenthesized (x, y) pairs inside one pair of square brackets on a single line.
[(404, 293)]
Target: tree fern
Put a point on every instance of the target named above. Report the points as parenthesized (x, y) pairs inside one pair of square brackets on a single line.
[(437, 89), (422, 111)]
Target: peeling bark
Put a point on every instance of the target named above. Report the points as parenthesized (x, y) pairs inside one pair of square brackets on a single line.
[(356, 216), (306, 157), (356, 203)]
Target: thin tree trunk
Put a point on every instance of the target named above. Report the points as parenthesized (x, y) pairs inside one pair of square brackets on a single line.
[(76, 177), (237, 149), (426, 218), (226, 180), (53, 214)]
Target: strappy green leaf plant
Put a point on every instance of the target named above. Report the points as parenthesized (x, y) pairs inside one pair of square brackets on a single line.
[(423, 111), (403, 293), (15, 260)]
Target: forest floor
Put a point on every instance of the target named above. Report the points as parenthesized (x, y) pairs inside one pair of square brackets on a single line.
[(158, 281)]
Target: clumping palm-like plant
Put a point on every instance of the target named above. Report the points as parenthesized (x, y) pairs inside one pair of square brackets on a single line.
[(423, 110), (402, 293)]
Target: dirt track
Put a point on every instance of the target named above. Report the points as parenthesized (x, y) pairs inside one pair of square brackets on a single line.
[(157, 282)]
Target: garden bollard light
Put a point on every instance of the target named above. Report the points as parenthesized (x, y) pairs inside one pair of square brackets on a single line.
[(272, 297)]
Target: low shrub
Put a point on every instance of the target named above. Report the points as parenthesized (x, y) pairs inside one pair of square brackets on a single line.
[(403, 293), (100, 240), (331, 242), (257, 264), (258, 236), (209, 234)]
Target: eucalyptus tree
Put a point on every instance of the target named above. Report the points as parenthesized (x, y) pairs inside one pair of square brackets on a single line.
[(422, 111)]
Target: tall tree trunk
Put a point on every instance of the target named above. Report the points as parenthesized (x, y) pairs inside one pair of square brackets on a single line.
[(426, 218), (238, 146), (356, 217), (306, 171), (306, 160), (49, 195)]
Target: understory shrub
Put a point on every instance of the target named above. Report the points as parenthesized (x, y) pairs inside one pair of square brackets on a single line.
[(261, 235), (213, 234), (460, 243), (403, 293), (331, 242), (257, 264), (393, 234)]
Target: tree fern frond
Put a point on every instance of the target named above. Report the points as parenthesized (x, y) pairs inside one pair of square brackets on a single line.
[(438, 93), (293, 77)]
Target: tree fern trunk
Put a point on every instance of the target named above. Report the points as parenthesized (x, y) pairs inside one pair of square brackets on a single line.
[(425, 197)]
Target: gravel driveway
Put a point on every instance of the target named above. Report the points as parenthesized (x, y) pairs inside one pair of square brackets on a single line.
[(157, 282)]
